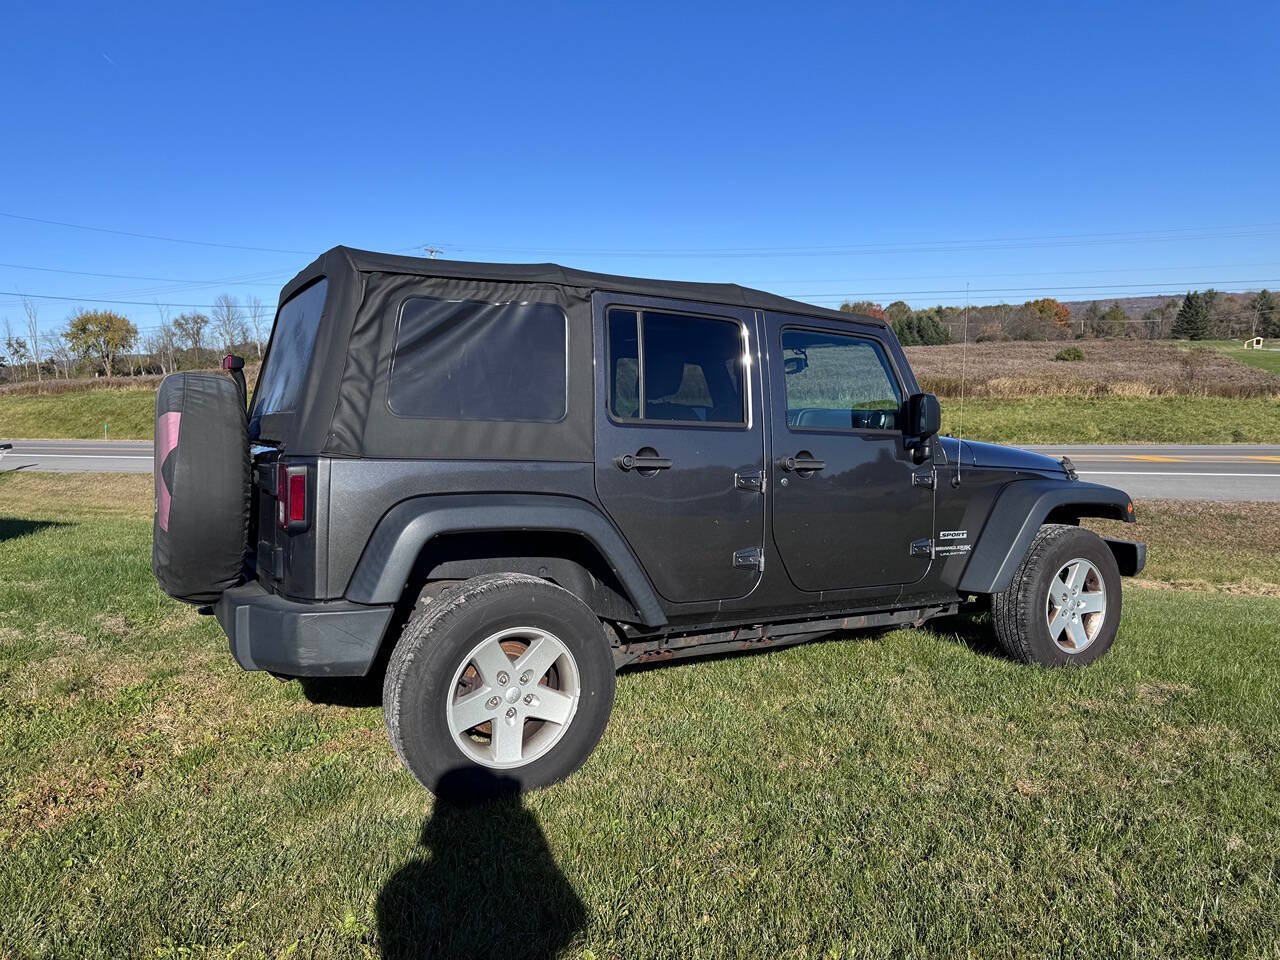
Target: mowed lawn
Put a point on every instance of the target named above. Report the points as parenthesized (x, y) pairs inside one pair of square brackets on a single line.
[(904, 793), (130, 414)]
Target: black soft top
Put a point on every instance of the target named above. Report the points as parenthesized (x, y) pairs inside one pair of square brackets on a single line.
[(367, 261), (341, 406)]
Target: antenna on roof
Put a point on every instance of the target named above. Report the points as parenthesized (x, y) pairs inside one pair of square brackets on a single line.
[(432, 251), (964, 356)]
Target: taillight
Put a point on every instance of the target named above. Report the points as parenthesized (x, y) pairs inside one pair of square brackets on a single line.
[(292, 513)]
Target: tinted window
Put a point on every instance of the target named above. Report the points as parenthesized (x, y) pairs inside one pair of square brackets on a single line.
[(838, 382), (292, 341), (471, 360), (691, 369)]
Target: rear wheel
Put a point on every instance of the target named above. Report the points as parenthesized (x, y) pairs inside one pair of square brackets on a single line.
[(505, 681), (1063, 606)]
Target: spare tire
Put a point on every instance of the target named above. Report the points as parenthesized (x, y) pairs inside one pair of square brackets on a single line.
[(200, 534)]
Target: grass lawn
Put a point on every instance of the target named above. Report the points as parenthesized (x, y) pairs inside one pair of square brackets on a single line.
[(1267, 358), (1169, 419), (901, 793), (128, 414), (1046, 419)]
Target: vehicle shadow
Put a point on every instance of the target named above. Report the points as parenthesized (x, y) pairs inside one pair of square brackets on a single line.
[(484, 884), (11, 528), (344, 691), (975, 631)]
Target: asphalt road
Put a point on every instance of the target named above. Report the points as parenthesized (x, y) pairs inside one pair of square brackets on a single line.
[(1231, 472), (69, 456)]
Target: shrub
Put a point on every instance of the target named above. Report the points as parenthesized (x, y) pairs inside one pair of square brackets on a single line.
[(1069, 354)]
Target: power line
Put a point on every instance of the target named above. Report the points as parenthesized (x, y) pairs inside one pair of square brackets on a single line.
[(245, 281), (151, 236)]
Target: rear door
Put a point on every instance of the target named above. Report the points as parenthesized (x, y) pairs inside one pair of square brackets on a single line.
[(849, 502), (679, 441)]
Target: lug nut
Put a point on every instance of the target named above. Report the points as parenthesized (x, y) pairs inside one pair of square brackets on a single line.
[(524, 677), (530, 699), (493, 703), (503, 678), (511, 713)]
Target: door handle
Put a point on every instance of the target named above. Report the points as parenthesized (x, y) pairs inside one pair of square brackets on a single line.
[(642, 463), (803, 463)]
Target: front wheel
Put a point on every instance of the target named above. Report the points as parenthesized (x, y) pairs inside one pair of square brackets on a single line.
[(505, 682), (1063, 606)]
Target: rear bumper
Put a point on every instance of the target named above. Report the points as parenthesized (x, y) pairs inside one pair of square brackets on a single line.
[(334, 638)]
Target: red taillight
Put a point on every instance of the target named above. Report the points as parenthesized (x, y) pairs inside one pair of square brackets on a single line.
[(297, 498), (291, 497)]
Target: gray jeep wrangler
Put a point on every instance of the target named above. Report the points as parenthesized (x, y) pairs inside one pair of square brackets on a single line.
[(500, 483)]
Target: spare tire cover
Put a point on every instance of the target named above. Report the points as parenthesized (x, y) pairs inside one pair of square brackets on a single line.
[(200, 533)]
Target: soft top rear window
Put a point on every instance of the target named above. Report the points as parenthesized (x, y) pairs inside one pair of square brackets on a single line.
[(292, 343)]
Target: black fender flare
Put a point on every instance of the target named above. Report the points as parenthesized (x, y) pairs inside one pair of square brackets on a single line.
[(398, 539), (1018, 512)]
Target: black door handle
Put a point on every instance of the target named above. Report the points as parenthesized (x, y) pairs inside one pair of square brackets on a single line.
[(803, 463), (643, 463)]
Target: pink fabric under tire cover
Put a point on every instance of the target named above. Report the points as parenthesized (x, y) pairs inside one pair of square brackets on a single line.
[(200, 533)]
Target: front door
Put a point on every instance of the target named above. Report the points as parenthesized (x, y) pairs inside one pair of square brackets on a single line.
[(679, 442), (847, 502)]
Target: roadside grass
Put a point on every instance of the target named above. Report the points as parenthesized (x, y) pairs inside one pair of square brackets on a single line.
[(1206, 545), (128, 415), (898, 793), (1038, 419), (1171, 419)]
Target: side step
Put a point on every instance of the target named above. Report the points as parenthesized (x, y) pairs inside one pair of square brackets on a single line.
[(764, 637)]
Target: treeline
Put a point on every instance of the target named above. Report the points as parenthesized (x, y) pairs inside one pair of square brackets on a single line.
[(94, 343), (1200, 315)]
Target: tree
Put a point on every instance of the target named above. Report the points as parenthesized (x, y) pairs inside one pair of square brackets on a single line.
[(101, 335), (33, 333), (1115, 322), (227, 322), (864, 307), (1091, 320), (190, 330), (1192, 321), (1050, 313), (257, 321), (1266, 314)]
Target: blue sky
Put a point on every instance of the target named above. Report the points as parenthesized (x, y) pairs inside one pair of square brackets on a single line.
[(819, 151)]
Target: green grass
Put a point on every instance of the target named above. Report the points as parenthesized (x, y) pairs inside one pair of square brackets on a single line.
[(1266, 359), (906, 793), (1170, 419), (129, 415)]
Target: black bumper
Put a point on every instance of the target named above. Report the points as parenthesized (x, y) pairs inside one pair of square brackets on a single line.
[(332, 638)]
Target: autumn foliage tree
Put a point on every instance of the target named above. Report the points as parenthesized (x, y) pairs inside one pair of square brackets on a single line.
[(101, 335), (1049, 313)]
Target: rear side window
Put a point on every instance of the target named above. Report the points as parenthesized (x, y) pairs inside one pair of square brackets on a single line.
[(292, 342), (472, 360), (689, 369), (837, 382)]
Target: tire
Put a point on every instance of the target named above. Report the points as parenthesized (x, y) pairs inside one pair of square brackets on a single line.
[(200, 530), (446, 654), (1065, 559)]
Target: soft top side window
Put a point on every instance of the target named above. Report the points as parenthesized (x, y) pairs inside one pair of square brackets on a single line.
[(473, 360), (838, 381), (675, 367)]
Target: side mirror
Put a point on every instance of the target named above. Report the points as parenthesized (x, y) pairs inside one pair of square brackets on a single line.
[(924, 416)]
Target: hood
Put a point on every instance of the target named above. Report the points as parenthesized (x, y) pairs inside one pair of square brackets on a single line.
[(996, 457)]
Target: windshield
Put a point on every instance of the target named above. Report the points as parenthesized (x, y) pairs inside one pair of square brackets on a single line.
[(292, 341)]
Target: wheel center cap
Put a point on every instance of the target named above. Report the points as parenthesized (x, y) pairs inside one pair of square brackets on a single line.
[(512, 694)]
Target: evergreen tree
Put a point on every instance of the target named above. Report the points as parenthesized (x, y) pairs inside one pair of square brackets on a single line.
[(1192, 322), (1115, 322), (1091, 322)]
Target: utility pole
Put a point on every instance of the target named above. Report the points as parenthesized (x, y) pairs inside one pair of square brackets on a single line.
[(432, 251)]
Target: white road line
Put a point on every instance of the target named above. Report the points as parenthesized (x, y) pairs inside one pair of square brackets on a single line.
[(77, 456), (1159, 473)]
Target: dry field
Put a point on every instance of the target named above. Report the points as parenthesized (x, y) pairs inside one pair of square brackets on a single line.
[(1117, 368)]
